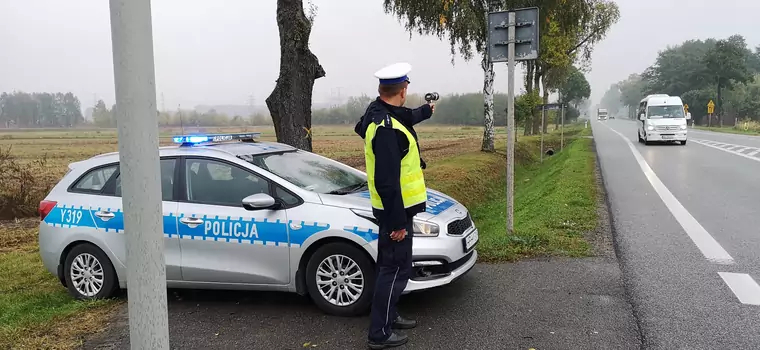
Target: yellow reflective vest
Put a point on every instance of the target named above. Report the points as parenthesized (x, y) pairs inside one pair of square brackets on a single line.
[(413, 191)]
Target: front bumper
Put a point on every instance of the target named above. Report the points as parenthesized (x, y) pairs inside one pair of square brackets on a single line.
[(442, 274), (657, 136)]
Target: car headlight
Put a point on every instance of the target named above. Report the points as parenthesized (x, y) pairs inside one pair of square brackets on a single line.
[(683, 127), (650, 127), (421, 228), (425, 229)]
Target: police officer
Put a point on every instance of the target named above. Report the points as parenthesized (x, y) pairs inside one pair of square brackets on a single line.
[(398, 193)]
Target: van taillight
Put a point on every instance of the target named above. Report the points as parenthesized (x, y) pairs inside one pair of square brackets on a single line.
[(45, 208)]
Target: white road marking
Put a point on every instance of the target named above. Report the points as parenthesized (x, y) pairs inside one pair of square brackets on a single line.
[(744, 287), (748, 156), (710, 248)]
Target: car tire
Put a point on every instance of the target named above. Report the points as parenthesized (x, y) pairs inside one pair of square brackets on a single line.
[(92, 263), (683, 143), (353, 259)]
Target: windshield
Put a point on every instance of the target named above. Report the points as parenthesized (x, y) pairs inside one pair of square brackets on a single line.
[(675, 111), (311, 172)]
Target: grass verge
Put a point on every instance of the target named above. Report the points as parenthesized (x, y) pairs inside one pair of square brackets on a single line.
[(752, 129), (555, 201), (36, 312)]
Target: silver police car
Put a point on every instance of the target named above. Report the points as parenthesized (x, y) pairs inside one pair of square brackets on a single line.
[(247, 215)]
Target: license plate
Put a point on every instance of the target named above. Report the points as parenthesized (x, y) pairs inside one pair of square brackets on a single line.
[(667, 137), (470, 240)]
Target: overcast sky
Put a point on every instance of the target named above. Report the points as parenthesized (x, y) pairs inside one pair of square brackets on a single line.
[(223, 51)]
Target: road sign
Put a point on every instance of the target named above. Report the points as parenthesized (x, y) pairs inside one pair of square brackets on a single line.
[(686, 107), (512, 36), (550, 106), (710, 107), (526, 34)]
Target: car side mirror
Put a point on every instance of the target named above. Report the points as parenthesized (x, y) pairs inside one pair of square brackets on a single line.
[(688, 115), (260, 201), (642, 116)]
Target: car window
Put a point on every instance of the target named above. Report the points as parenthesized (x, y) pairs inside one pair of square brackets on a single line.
[(285, 196), (95, 179), (167, 180), (675, 111), (213, 182), (310, 172)]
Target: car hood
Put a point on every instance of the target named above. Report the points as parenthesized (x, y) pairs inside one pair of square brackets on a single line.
[(438, 204)]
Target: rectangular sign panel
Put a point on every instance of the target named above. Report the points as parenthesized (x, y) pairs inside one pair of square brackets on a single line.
[(526, 35)]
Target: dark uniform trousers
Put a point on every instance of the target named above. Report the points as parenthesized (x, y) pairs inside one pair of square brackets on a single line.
[(394, 267)]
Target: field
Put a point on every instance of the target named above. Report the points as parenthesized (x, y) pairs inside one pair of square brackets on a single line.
[(555, 206)]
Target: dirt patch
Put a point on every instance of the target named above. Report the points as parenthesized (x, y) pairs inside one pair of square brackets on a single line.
[(15, 234)]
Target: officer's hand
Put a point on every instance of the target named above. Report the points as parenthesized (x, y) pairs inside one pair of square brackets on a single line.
[(398, 235), (432, 107)]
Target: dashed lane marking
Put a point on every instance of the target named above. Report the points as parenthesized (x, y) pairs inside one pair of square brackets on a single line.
[(739, 150), (744, 287)]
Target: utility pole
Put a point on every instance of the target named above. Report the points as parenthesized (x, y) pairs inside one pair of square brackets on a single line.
[(135, 83)]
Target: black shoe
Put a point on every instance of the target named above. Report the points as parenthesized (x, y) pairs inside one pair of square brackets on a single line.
[(402, 323), (396, 339)]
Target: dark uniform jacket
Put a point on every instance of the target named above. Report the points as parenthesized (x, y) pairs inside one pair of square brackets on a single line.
[(390, 146)]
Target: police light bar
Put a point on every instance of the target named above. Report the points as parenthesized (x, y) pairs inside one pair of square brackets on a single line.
[(200, 138)]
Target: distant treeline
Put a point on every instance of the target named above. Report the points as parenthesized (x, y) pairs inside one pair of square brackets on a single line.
[(25, 110)]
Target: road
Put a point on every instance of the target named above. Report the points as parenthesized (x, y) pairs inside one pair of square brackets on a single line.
[(686, 221), (542, 304)]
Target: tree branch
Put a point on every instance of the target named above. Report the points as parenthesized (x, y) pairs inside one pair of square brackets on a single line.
[(586, 39)]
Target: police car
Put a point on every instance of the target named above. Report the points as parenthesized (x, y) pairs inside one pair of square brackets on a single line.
[(247, 215)]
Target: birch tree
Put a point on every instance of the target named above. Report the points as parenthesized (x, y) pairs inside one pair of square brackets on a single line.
[(464, 25)]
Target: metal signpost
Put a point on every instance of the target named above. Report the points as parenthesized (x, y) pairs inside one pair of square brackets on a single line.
[(135, 83), (710, 111), (512, 36)]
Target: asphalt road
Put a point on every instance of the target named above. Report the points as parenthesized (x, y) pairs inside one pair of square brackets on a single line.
[(551, 304), (686, 221)]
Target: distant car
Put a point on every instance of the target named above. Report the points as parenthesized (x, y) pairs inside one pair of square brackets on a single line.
[(248, 215)]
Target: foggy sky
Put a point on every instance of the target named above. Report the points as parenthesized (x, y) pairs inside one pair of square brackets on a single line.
[(223, 51)]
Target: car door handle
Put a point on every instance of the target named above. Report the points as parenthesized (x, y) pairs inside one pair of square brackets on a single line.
[(105, 215), (191, 221)]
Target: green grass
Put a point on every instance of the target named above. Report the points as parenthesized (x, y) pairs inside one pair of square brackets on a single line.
[(731, 130), (555, 202), (35, 310)]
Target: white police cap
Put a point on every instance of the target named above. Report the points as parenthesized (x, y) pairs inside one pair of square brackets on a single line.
[(394, 74)]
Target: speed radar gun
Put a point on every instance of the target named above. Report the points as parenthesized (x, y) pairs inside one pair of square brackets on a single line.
[(431, 96)]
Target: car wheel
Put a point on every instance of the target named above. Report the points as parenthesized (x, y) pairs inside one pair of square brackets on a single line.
[(683, 142), (89, 273), (340, 279)]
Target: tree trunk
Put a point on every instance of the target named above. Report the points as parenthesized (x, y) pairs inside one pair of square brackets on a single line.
[(529, 73), (545, 100), (536, 125), (290, 101), (488, 133)]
